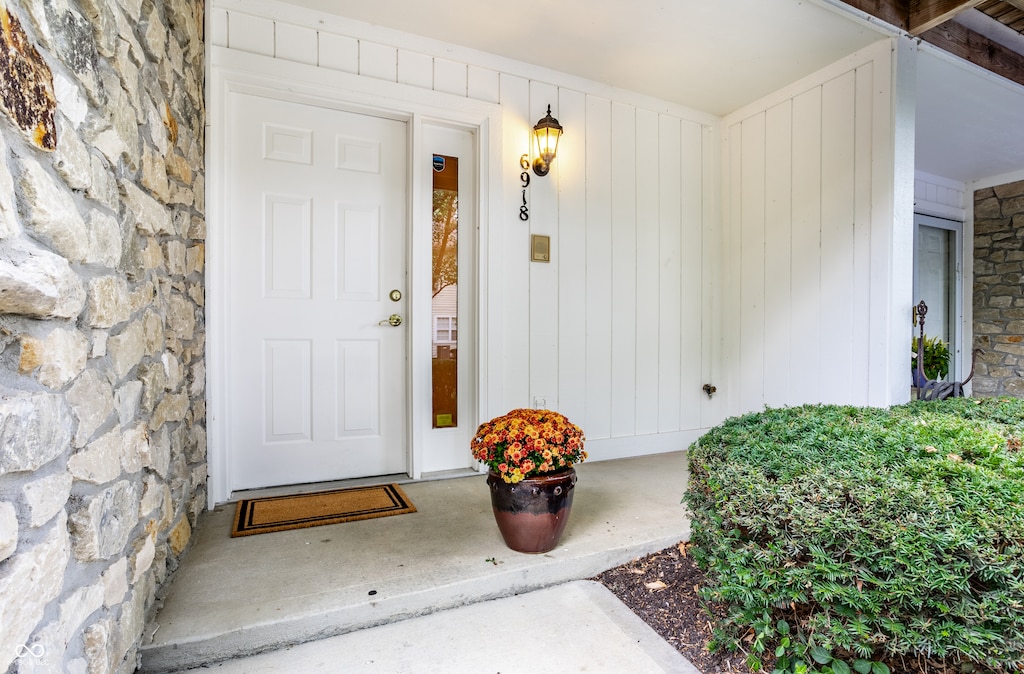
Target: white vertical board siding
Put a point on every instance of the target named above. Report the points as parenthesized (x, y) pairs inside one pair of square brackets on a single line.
[(648, 282), (218, 28), (670, 288), (805, 204), (623, 272), (691, 298), (862, 231), (714, 267), (805, 311), (752, 261), (378, 61), (415, 69), (450, 77), (835, 372), (570, 247), (294, 43), (599, 267), (544, 276), (249, 33), (482, 84), (893, 226), (338, 52), (614, 331), (938, 196), (512, 244), (731, 265), (778, 259)]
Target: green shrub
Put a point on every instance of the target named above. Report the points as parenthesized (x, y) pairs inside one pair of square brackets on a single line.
[(839, 537), (936, 357)]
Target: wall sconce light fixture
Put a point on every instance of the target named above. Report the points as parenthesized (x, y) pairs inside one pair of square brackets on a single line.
[(547, 132)]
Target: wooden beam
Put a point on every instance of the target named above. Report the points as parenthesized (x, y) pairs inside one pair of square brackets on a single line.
[(927, 14), (951, 36), (894, 12), (1019, 4), (978, 49)]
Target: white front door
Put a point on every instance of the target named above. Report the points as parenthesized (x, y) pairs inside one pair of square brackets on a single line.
[(317, 229)]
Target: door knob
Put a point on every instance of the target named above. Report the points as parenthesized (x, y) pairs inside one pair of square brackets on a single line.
[(394, 320)]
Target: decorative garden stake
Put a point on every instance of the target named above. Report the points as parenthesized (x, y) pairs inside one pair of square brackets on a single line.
[(931, 356)]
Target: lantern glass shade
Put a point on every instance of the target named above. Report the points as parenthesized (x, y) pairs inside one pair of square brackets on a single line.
[(547, 132)]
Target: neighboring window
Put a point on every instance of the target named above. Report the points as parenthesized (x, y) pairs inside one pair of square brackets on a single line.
[(446, 329)]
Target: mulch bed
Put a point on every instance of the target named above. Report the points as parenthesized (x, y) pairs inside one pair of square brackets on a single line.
[(662, 589)]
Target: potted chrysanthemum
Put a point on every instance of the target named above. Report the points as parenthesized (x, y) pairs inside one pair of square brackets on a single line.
[(530, 456)]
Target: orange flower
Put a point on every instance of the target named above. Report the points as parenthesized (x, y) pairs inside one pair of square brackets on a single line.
[(528, 442)]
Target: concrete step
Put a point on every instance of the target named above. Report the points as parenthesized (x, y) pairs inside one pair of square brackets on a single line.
[(237, 597), (593, 630)]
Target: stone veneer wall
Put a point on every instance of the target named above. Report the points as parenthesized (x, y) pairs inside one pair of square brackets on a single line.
[(999, 290), (102, 366)]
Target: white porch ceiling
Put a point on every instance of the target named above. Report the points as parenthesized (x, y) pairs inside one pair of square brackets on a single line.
[(711, 56), (716, 57), (970, 124)]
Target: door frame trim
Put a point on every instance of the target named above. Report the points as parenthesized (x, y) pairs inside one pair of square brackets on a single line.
[(231, 71), (438, 442), (950, 224)]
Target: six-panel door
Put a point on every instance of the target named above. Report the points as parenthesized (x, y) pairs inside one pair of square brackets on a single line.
[(317, 241)]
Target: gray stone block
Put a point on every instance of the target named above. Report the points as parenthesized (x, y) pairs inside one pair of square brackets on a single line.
[(35, 428)]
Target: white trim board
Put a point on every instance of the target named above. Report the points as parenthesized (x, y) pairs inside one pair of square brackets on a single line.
[(939, 180), (993, 181), (607, 449), (938, 207)]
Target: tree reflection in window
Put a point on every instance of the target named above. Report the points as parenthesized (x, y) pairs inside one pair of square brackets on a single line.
[(445, 295)]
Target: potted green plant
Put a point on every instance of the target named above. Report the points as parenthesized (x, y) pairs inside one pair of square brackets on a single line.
[(530, 454), (935, 359)]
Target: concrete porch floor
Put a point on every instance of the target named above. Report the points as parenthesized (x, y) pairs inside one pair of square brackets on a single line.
[(236, 597)]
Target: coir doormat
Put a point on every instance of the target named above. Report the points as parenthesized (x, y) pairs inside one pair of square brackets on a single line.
[(280, 513)]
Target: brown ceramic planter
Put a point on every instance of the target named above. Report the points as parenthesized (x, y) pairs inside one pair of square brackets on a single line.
[(532, 514)]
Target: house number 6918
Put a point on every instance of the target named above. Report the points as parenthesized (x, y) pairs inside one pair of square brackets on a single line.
[(524, 162)]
